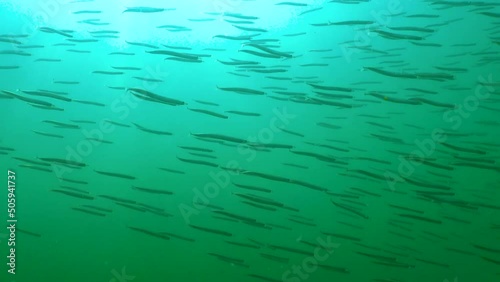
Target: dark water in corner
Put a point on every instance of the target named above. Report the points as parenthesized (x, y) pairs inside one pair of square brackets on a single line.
[(259, 140)]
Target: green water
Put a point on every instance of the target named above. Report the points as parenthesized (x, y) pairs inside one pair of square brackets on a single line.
[(235, 140)]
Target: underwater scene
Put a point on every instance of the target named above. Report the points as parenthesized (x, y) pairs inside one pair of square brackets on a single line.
[(250, 140)]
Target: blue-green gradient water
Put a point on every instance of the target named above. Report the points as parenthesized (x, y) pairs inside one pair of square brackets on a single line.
[(232, 140)]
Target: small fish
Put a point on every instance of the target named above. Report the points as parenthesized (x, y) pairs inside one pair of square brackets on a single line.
[(34, 167), (89, 211), (63, 162), (117, 199), (211, 230), (150, 233), (197, 149), (31, 161), (48, 134), (150, 96), (73, 194), (146, 10), (108, 72), (89, 103), (27, 232), (157, 132), (295, 4), (51, 30), (113, 174), (241, 113), (240, 90), (210, 113), (172, 170), (153, 191), (147, 79), (97, 208)]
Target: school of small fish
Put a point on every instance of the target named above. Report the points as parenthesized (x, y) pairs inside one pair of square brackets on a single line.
[(378, 132)]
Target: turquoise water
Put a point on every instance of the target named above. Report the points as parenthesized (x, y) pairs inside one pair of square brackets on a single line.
[(257, 140)]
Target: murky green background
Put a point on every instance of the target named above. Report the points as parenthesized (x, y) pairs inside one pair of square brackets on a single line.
[(358, 146)]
